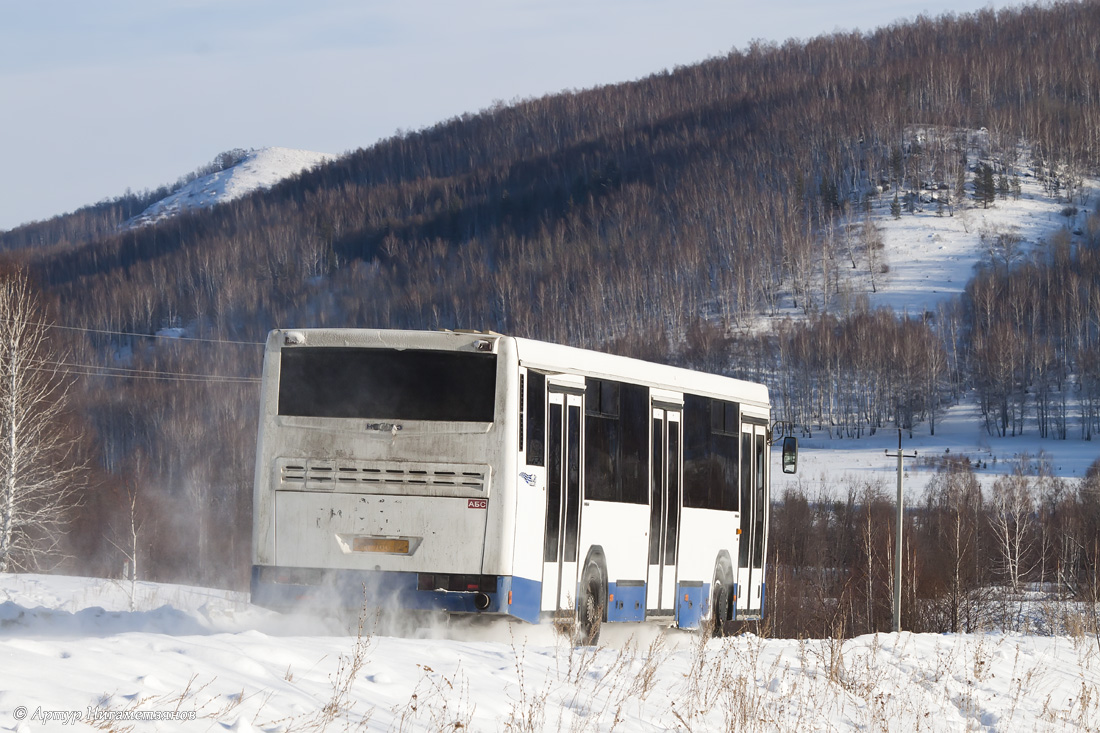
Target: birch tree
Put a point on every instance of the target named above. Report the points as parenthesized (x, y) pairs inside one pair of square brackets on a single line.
[(954, 503), (39, 472), (1011, 507)]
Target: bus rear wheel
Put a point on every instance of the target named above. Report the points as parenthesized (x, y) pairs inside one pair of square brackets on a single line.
[(590, 606), (719, 608)]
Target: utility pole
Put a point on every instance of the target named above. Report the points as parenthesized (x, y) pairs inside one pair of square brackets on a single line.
[(897, 548)]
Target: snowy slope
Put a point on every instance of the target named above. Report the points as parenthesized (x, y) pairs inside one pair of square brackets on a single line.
[(70, 647), (931, 255), (259, 169)]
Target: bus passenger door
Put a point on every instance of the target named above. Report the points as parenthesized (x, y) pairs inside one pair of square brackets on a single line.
[(753, 529), (666, 499), (565, 413)]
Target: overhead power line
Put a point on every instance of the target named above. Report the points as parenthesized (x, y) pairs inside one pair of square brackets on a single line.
[(208, 378), (92, 370), (146, 335)]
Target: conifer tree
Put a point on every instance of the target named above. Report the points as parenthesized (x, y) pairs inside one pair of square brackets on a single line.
[(985, 188)]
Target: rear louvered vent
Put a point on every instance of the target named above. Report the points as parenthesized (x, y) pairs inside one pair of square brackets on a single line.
[(370, 476)]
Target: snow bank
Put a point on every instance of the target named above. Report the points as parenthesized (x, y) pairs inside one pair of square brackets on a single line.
[(71, 646)]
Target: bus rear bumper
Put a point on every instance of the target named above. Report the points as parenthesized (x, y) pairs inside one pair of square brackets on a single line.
[(287, 589)]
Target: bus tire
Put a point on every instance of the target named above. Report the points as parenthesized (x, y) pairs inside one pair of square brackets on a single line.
[(721, 597), (719, 613), (590, 606)]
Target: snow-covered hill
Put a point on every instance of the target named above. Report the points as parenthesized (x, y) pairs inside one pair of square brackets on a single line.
[(72, 655), (258, 169), (928, 255)]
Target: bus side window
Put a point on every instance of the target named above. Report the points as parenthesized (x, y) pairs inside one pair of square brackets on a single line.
[(710, 453), (536, 419), (635, 443), (698, 478), (602, 430)]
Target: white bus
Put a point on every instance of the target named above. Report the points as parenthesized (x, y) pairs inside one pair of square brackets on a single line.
[(474, 473)]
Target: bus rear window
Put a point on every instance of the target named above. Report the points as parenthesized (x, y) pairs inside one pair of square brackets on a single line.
[(384, 384)]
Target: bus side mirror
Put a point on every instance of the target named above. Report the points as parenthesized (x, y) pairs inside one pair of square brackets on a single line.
[(790, 454)]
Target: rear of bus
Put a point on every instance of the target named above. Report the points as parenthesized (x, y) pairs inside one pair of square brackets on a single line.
[(381, 472)]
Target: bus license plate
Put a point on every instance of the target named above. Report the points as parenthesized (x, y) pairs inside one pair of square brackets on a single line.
[(375, 544)]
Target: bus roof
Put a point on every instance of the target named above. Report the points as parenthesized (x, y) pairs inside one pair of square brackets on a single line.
[(541, 355), (571, 360)]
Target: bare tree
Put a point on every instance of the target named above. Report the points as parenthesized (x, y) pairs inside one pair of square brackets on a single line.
[(39, 473), (1011, 505), (954, 503), (130, 550), (874, 251)]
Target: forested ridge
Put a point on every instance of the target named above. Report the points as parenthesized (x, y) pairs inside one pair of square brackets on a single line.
[(658, 218)]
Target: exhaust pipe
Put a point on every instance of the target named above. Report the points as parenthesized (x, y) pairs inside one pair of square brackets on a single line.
[(481, 601)]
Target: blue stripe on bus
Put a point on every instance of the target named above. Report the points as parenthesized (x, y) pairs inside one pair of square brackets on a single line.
[(287, 588)]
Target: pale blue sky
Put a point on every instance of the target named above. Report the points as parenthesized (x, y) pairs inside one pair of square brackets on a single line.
[(96, 97)]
